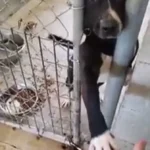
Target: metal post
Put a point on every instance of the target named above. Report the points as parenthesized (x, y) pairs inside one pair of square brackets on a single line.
[(77, 35), (124, 51)]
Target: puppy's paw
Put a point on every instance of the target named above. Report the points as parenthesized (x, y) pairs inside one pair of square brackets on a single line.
[(102, 88), (106, 141), (101, 96), (65, 103)]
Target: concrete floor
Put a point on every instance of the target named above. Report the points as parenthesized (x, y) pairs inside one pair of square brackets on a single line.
[(16, 139), (8, 8)]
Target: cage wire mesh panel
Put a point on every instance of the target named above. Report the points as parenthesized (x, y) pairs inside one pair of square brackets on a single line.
[(4, 4), (33, 69)]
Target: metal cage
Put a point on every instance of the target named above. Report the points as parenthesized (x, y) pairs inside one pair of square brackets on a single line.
[(33, 70)]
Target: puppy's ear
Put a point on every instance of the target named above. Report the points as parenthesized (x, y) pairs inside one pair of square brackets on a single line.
[(100, 84)]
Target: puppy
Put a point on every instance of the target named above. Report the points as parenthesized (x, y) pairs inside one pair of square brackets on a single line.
[(104, 20)]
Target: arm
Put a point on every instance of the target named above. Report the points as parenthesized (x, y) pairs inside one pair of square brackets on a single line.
[(91, 62)]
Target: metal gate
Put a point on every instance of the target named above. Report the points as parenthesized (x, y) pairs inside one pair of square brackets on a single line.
[(33, 70)]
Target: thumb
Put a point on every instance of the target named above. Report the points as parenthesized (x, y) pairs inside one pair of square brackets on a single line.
[(140, 145)]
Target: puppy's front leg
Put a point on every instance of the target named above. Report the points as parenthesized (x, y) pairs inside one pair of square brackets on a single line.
[(90, 65)]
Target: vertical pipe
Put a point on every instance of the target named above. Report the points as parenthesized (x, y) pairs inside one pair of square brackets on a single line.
[(77, 35), (57, 85), (124, 51), (46, 86), (70, 99), (34, 78)]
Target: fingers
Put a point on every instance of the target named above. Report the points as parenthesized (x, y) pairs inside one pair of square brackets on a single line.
[(140, 145), (65, 103), (103, 142)]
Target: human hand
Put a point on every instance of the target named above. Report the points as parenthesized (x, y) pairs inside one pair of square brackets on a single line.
[(140, 145)]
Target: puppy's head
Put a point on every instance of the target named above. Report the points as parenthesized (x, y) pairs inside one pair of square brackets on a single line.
[(106, 18)]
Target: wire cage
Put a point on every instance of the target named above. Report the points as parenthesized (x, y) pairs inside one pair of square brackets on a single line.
[(4, 4), (33, 69)]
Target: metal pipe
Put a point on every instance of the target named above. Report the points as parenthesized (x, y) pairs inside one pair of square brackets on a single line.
[(69, 94), (78, 6), (47, 93), (57, 85), (124, 51)]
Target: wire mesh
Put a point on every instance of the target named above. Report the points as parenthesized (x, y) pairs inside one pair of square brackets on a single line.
[(4, 4), (33, 69)]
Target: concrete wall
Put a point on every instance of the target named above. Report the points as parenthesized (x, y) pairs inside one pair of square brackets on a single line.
[(9, 7)]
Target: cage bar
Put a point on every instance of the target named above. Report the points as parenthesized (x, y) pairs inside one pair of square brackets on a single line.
[(78, 6)]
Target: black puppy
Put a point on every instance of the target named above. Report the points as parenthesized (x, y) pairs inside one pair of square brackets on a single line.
[(103, 22)]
